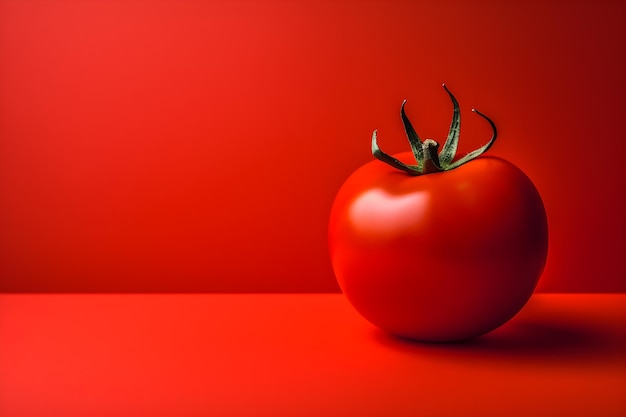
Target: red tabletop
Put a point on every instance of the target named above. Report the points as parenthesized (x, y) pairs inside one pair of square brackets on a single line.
[(300, 355)]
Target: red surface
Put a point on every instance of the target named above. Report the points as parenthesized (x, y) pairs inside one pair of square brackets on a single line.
[(300, 355), (197, 145)]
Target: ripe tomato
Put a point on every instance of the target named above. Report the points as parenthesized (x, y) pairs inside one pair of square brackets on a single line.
[(439, 257)]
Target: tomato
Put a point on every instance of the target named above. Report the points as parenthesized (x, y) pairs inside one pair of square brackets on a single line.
[(438, 256)]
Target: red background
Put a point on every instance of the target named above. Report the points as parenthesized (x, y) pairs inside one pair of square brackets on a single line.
[(197, 145), (305, 355)]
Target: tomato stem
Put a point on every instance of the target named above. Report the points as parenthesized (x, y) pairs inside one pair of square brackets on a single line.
[(449, 148), (431, 161), (426, 155)]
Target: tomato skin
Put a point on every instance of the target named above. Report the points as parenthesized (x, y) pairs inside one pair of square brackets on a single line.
[(440, 257)]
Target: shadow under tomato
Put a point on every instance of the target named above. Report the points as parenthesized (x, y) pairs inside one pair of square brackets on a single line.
[(542, 334)]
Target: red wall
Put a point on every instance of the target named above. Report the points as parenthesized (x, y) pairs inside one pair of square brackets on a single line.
[(197, 145)]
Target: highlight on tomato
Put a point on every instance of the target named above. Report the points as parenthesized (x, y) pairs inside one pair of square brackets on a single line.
[(434, 247)]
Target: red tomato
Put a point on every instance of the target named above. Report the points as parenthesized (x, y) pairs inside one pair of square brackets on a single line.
[(439, 257)]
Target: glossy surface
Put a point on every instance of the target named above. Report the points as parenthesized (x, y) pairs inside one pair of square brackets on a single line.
[(300, 355), (442, 256)]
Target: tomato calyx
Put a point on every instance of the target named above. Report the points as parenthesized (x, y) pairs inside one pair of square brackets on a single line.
[(427, 156)]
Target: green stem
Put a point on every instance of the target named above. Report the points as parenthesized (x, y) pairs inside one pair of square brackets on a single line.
[(431, 158), (426, 153)]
